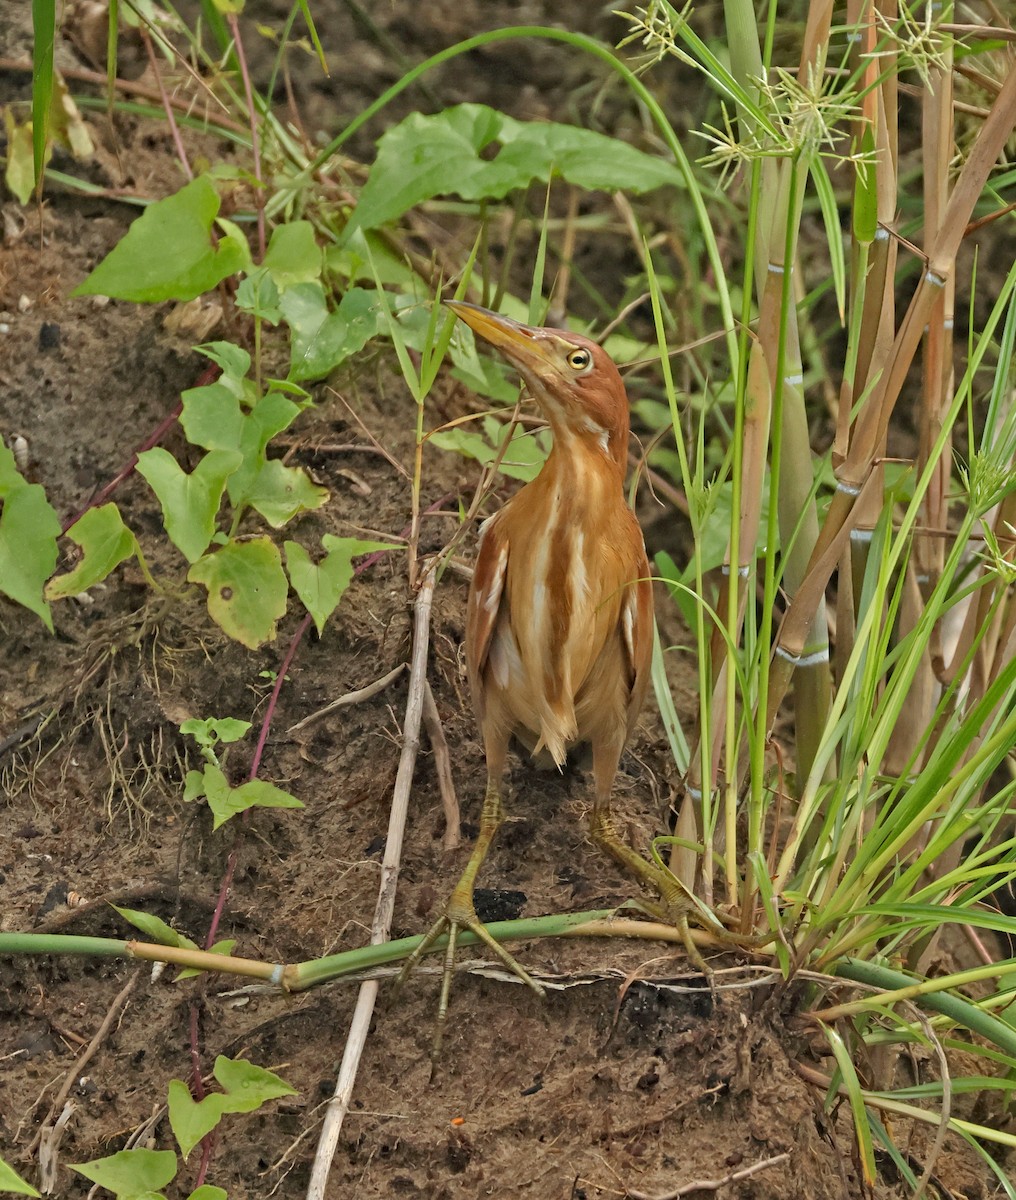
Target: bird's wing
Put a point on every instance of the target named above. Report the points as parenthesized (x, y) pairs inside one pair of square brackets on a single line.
[(637, 637), (486, 594)]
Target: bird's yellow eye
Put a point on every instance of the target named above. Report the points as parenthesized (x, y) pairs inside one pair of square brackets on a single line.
[(579, 359)]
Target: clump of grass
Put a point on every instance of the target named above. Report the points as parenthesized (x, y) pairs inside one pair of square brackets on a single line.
[(895, 821)]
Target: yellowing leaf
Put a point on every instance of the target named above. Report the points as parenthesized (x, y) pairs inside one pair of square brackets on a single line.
[(19, 174), (247, 589), (106, 542)]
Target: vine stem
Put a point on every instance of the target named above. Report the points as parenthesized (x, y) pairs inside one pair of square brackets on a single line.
[(381, 927)]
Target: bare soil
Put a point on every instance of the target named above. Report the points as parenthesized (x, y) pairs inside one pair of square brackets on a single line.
[(628, 1078)]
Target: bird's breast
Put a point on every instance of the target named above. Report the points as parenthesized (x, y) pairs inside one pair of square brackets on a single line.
[(569, 561)]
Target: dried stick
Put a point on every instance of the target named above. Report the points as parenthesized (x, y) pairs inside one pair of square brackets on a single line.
[(356, 697), (443, 766), (711, 1185), (86, 1056), (360, 1024)]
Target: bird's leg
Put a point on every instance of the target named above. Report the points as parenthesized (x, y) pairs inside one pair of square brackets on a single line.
[(460, 913), (677, 902)]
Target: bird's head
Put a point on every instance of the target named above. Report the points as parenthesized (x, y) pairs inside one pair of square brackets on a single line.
[(574, 380)]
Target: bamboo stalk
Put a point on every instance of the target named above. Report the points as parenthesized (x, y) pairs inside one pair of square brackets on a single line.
[(858, 467)]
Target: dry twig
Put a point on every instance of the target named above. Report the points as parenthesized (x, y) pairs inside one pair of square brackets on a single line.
[(443, 766), (360, 1024), (356, 697), (86, 1056), (711, 1185)]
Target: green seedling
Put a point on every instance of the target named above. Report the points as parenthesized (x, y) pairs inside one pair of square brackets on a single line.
[(142, 1174), (211, 783)]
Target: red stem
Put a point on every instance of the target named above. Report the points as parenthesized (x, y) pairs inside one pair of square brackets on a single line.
[(153, 439), (273, 699), (167, 107), (197, 1085)]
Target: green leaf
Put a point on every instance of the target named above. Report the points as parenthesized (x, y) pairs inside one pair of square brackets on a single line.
[(28, 531), (105, 541), (44, 42), (168, 253), (131, 1173), (155, 929), (246, 589), (323, 339), (233, 359), (293, 255), (865, 212), (523, 459), (248, 1086), (320, 587), (258, 296), (862, 1127), (272, 414), (834, 235), (226, 801), (440, 155), (212, 730), (190, 503), (11, 479), (213, 418), (280, 492), (11, 1181), (193, 786), (225, 948), (191, 1119), (207, 1191)]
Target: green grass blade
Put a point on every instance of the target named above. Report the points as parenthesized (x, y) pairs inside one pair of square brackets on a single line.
[(834, 238), (862, 1125), (44, 30)]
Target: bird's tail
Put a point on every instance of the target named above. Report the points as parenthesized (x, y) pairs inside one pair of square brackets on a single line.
[(557, 734)]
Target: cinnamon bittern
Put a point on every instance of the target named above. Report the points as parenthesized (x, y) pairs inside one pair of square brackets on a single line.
[(559, 629)]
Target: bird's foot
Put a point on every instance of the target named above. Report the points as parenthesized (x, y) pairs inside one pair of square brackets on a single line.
[(678, 905), (459, 915)]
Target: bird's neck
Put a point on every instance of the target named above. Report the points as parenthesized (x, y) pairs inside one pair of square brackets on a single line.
[(584, 466), (575, 448)]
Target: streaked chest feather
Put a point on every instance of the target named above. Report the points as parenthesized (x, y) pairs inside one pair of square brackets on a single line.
[(565, 577)]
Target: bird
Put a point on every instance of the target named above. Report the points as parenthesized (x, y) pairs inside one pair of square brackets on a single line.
[(559, 622)]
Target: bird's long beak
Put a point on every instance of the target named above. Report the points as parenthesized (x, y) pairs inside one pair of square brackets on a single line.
[(515, 340)]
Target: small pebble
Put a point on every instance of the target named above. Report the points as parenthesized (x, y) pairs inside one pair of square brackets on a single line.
[(49, 335)]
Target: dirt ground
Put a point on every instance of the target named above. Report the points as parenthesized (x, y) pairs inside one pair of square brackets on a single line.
[(597, 1092)]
